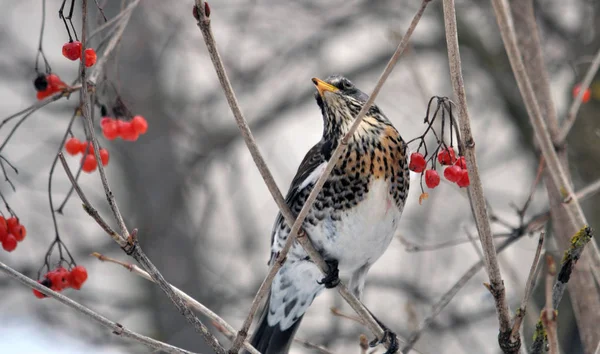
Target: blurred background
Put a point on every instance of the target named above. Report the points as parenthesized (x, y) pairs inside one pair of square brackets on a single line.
[(203, 213)]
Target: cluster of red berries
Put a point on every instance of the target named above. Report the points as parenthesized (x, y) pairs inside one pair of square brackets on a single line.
[(587, 94), (47, 85), (88, 163), (60, 279), (455, 172), (11, 232), (127, 130), (72, 51)]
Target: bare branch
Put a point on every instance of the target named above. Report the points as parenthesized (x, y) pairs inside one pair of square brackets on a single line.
[(222, 325), (548, 316), (570, 258), (132, 247), (475, 190), (587, 191), (117, 329), (572, 114), (315, 347), (528, 288)]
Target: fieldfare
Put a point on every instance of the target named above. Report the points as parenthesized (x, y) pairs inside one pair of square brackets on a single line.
[(354, 218)]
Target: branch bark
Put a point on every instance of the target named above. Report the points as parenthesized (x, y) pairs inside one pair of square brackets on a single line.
[(223, 326), (475, 190), (128, 242), (117, 329)]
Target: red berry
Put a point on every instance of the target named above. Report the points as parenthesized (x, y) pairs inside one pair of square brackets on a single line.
[(104, 156), (452, 173), (110, 129), (59, 278), (139, 124), (106, 120), (55, 83), (417, 162), (37, 293), (462, 163), (89, 163), (12, 222), (127, 131), (73, 146), (72, 50), (3, 228), (432, 179), (19, 232), (447, 156), (9, 243), (78, 276), (463, 180), (587, 94), (13, 227), (40, 95), (90, 57)]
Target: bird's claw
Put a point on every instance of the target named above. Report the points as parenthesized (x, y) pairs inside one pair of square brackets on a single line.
[(393, 348), (332, 278)]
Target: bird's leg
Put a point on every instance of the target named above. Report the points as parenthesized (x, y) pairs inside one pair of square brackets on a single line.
[(332, 278), (387, 333)]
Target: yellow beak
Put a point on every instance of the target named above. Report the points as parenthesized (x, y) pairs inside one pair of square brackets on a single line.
[(322, 86)]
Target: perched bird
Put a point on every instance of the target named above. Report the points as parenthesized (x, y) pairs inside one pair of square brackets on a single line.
[(353, 219)]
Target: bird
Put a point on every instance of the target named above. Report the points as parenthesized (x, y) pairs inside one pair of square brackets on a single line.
[(353, 219)]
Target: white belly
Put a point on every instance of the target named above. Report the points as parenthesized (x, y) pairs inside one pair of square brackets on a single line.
[(363, 233)]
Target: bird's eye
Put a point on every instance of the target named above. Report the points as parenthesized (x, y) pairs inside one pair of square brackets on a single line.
[(346, 85)]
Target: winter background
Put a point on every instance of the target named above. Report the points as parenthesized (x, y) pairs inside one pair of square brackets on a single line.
[(205, 216)]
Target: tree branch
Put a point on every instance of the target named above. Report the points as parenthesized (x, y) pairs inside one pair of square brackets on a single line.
[(222, 325), (117, 329), (570, 258), (475, 190), (518, 320)]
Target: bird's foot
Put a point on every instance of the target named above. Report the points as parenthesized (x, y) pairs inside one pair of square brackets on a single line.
[(332, 278), (387, 334)]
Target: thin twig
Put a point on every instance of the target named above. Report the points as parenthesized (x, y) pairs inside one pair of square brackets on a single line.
[(411, 246), (315, 347), (204, 25), (548, 314), (112, 44), (572, 114), (570, 258), (475, 189), (119, 17), (87, 206), (223, 326), (520, 315), (587, 191), (132, 247), (117, 329)]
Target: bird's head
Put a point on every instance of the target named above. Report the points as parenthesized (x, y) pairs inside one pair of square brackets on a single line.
[(340, 101)]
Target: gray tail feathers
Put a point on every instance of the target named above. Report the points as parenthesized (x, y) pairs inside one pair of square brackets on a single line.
[(272, 340)]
